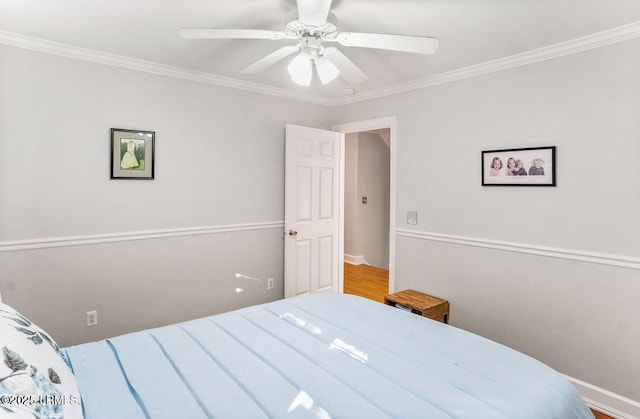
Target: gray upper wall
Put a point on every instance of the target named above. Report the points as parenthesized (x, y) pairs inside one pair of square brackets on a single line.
[(585, 104), (215, 208), (219, 151)]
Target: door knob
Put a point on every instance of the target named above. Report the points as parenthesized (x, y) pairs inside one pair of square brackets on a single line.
[(293, 233)]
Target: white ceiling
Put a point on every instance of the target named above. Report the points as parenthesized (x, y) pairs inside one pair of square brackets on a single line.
[(470, 32)]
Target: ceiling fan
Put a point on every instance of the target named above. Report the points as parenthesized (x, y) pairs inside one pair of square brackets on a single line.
[(314, 26)]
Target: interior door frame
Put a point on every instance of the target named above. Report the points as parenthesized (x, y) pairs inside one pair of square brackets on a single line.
[(366, 125)]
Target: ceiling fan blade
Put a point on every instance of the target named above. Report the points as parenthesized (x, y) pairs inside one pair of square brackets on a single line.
[(271, 59), (348, 70), (313, 12), (214, 33), (405, 43)]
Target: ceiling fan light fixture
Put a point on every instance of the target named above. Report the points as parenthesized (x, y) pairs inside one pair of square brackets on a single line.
[(327, 71), (300, 69), (313, 24)]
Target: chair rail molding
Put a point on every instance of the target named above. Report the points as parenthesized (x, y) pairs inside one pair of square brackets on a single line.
[(531, 249), (44, 243)]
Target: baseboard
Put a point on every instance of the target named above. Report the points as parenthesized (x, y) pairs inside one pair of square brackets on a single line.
[(605, 401), (355, 260)]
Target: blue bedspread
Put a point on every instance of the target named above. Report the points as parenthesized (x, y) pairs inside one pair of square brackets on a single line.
[(323, 355)]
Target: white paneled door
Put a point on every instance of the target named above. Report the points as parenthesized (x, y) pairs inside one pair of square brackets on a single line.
[(312, 208)]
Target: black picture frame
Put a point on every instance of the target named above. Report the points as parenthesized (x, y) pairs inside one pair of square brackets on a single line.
[(132, 154), (532, 166)]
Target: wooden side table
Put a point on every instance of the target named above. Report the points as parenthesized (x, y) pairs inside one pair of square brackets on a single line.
[(423, 304)]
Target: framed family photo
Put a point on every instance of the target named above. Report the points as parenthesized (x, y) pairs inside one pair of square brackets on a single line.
[(132, 154), (535, 166)]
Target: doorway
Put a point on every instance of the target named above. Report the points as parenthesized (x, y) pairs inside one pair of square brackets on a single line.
[(366, 198), (368, 204)]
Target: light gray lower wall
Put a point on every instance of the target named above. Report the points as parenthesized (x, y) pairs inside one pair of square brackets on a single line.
[(577, 316), (574, 316), (219, 161), (140, 284)]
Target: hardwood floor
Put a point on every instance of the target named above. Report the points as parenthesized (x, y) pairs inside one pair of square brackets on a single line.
[(373, 283), (599, 415), (366, 281)]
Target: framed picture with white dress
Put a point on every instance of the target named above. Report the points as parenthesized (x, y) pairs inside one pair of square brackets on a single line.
[(132, 154), (533, 166)]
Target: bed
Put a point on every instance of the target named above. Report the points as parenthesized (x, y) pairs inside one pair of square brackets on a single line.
[(320, 356)]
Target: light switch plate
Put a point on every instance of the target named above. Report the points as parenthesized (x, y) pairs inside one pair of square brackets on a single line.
[(412, 217)]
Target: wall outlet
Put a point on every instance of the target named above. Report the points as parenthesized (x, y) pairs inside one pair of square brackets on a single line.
[(92, 318), (270, 283), (412, 217)]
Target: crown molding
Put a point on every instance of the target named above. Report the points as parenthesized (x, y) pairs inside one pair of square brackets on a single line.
[(611, 36), (46, 243), (600, 39), (84, 54), (619, 261)]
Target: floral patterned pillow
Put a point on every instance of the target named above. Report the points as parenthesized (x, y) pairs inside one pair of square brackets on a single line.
[(35, 381)]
